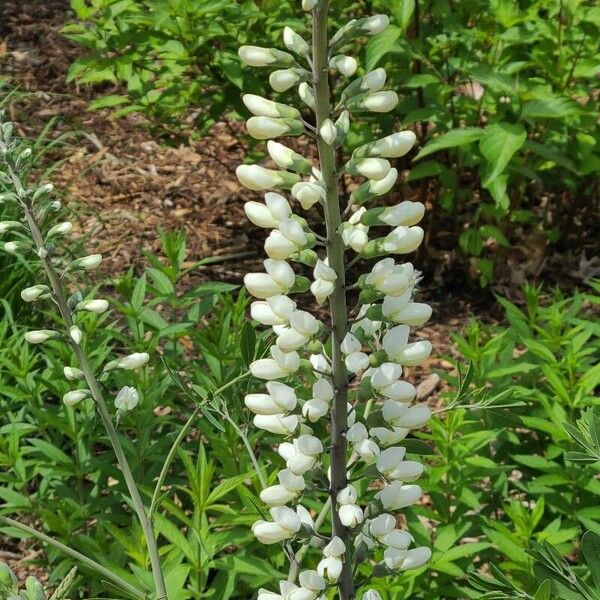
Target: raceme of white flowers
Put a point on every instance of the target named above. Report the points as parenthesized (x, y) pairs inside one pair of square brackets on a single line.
[(295, 405), (35, 202)]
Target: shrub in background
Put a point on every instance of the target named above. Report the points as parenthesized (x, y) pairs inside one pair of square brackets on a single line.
[(500, 93), (502, 96)]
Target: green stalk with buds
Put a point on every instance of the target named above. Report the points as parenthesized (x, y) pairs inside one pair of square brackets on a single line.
[(360, 408), (35, 206)]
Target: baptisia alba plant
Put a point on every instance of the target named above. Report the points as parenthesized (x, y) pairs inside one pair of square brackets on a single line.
[(347, 431), (37, 241)]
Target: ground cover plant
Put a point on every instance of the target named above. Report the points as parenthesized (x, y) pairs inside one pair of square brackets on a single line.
[(195, 503)]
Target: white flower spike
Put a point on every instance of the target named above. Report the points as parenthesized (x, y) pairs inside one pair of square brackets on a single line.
[(332, 391)]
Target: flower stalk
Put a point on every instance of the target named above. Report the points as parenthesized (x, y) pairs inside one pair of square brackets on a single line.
[(358, 408), (28, 200), (337, 299)]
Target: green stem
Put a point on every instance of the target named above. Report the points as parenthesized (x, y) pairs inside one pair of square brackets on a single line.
[(81, 558), (337, 300), (103, 411), (165, 469)]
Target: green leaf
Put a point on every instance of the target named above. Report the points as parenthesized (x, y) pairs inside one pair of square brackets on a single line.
[(139, 293), (403, 12), (429, 168), (380, 44), (451, 139), (549, 108), (227, 486), (247, 342), (463, 550), (161, 282), (420, 80), (108, 101), (491, 231), (498, 145), (590, 547), (414, 446), (544, 591)]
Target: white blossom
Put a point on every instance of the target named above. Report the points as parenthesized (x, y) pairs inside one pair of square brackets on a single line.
[(127, 398), (40, 336), (75, 397), (97, 306)]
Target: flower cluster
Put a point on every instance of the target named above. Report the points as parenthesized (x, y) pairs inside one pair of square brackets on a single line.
[(334, 392), (30, 240)]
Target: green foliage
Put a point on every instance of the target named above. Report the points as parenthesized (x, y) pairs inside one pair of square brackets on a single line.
[(57, 465), (503, 489), (176, 60), (556, 576), (9, 586), (505, 98), (501, 93)]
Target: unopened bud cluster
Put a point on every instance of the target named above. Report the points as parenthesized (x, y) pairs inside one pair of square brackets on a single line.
[(300, 372), (32, 238)]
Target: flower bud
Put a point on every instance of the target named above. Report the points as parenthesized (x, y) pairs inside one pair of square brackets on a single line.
[(282, 364), (348, 495), (75, 334), (75, 396), (306, 94), (295, 43), (270, 214), (40, 336), (330, 568), (15, 247), (256, 56), (277, 424), (255, 177), (283, 79), (372, 189), (371, 595), (94, 306), (351, 515), (416, 558), (328, 132), (372, 168), (414, 314), (312, 581), (44, 189), (269, 533), (264, 128), (262, 107), (60, 229), (133, 361), (127, 398), (274, 311), (33, 293), (346, 65), (8, 225), (335, 548), (280, 399), (396, 495), (357, 27), (72, 374), (377, 102), (278, 279), (286, 158), (393, 146), (86, 263), (375, 24), (308, 193)]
